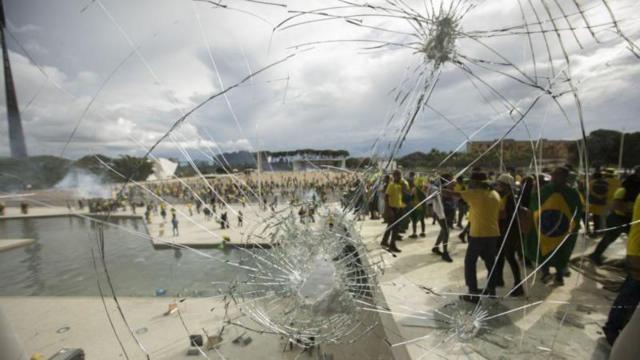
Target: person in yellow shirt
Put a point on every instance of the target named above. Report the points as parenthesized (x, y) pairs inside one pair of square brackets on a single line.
[(484, 232), (394, 208), (629, 295), (620, 216), (598, 193), (614, 183)]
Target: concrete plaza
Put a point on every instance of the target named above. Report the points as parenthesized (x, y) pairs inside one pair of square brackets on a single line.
[(549, 322)]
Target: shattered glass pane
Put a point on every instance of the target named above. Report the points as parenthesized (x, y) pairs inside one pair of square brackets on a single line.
[(263, 263)]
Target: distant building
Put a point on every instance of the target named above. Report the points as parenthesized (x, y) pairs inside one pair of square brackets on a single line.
[(553, 151), (302, 160)]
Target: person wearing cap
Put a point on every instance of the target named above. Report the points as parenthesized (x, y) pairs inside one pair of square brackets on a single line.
[(510, 232), (620, 216), (629, 294), (556, 218), (484, 233), (395, 205)]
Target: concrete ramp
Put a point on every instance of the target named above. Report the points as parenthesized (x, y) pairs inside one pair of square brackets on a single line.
[(9, 244)]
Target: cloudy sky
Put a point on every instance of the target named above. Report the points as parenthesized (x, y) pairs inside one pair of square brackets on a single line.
[(124, 71)]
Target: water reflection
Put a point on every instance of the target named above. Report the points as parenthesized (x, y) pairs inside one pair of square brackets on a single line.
[(59, 262), (33, 259)]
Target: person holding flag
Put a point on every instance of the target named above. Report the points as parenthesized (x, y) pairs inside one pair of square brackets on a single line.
[(556, 219)]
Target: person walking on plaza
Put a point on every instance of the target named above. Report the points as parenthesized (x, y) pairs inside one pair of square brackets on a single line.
[(510, 234), (382, 202), (417, 207), (405, 218), (460, 204), (484, 233), (224, 220), (438, 210), (394, 207), (629, 294), (147, 214), (163, 212), (174, 224), (556, 219), (449, 201), (620, 216), (240, 218)]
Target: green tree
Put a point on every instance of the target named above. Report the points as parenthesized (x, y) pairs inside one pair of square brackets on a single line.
[(135, 168), (94, 164)]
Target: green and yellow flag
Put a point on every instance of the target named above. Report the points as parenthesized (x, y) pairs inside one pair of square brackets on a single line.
[(556, 219)]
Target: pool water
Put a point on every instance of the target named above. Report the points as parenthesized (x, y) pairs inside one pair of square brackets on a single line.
[(60, 263)]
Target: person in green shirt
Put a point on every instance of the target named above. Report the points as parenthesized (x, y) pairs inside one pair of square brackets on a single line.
[(510, 234), (556, 219)]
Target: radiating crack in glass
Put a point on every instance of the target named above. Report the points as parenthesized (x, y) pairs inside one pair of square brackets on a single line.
[(311, 283), (435, 32), (316, 282)]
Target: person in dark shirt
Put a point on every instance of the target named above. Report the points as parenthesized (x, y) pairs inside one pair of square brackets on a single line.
[(510, 233)]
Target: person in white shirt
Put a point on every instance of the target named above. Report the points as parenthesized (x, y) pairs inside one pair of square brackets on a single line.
[(435, 198)]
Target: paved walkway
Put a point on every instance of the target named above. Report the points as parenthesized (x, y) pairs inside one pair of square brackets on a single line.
[(563, 322), (47, 324)]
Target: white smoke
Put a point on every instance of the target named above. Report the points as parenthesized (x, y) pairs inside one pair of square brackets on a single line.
[(84, 184)]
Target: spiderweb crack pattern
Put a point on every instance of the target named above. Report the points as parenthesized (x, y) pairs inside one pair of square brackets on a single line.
[(318, 283)]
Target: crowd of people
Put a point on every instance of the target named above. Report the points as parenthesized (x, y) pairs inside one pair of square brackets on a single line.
[(248, 188), (220, 197), (521, 220)]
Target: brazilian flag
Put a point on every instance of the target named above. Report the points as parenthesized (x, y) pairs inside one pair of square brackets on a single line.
[(557, 218)]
